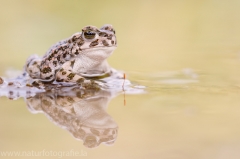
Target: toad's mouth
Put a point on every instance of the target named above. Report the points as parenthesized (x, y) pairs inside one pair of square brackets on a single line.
[(101, 52), (99, 47)]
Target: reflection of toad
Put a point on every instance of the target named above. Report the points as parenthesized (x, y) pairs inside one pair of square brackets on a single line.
[(81, 112)]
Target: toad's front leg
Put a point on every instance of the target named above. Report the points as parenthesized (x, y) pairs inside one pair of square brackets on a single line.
[(65, 74)]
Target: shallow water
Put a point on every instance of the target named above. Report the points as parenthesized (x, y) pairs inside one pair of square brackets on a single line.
[(186, 54)]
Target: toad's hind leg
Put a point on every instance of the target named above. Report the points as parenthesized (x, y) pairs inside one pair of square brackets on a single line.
[(32, 66)]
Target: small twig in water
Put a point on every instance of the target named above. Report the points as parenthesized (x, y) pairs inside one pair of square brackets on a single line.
[(124, 77)]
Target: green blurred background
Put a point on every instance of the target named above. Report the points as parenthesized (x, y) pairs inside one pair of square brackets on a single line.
[(169, 35), (153, 37)]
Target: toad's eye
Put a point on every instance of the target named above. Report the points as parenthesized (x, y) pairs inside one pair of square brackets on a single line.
[(89, 34)]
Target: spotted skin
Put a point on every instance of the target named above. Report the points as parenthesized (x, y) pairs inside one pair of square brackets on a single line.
[(82, 55)]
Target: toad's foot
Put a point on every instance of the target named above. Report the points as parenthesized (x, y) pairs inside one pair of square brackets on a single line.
[(69, 77)]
